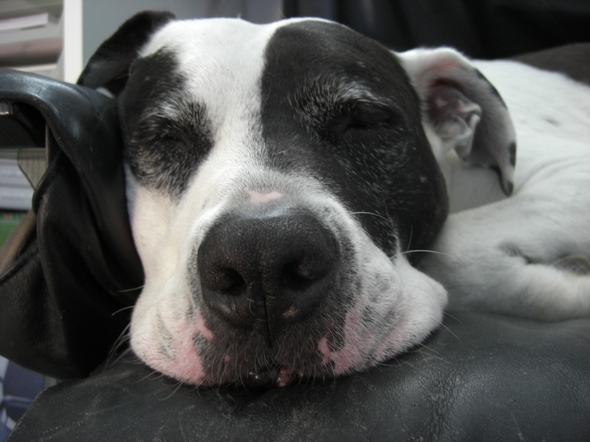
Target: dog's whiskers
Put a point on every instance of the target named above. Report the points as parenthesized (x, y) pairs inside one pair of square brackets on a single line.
[(424, 348), (409, 240), (153, 374), (119, 342), (370, 213), (179, 384), (435, 252), (133, 289), (130, 307), (450, 331), (446, 313)]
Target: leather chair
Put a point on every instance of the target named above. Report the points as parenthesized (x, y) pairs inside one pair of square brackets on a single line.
[(71, 266)]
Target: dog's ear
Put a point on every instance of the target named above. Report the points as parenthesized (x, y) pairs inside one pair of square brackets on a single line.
[(463, 110), (109, 66)]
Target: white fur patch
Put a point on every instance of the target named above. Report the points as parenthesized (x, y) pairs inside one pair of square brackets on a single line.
[(498, 257)]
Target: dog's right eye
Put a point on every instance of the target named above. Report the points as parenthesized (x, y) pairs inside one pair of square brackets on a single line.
[(361, 117)]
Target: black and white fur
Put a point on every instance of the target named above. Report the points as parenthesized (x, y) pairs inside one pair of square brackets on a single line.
[(285, 179)]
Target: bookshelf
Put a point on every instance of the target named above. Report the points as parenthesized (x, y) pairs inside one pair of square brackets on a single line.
[(42, 36)]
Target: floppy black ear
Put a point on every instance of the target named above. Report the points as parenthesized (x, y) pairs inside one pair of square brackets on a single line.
[(463, 110), (109, 66)]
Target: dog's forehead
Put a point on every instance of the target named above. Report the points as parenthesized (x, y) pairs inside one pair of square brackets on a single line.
[(234, 49), (213, 45)]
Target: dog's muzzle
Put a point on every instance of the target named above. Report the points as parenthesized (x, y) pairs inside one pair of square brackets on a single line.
[(262, 270), (277, 287)]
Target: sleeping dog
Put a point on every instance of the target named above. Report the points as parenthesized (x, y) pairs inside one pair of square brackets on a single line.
[(289, 186)]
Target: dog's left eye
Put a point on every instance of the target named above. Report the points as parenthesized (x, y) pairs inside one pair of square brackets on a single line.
[(172, 139), (361, 116)]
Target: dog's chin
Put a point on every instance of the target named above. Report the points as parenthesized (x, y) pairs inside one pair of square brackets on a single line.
[(272, 376)]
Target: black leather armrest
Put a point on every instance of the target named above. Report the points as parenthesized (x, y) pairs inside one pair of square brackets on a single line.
[(478, 378), (72, 264)]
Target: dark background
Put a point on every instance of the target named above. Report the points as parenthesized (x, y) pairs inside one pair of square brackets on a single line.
[(479, 28)]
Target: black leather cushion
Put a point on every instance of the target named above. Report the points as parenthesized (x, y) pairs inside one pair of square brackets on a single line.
[(572, 60), (480, 377), (72, 264)]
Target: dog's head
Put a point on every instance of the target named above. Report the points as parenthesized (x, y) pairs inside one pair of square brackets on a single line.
[(279, 177)]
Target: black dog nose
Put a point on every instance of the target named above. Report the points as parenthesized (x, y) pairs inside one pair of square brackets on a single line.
[(266, 269)]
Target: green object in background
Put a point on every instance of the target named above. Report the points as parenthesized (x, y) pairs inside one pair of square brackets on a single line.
[(8, 221)]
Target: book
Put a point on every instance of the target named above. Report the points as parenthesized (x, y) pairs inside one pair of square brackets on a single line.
[(16, 191), (15, 198), (27, 21), (11, 175)]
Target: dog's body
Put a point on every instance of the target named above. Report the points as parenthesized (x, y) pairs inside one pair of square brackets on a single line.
[(526, 255), (282, 178)]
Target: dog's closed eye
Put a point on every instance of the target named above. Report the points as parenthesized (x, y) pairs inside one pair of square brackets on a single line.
[(362, 116), (163, 152)]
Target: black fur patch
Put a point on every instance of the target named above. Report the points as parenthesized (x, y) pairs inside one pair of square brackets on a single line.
[(167, 135), (341, 107), (512, 153), (493, 89)]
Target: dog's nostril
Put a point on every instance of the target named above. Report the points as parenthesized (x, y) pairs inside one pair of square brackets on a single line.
[(227, 281)]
